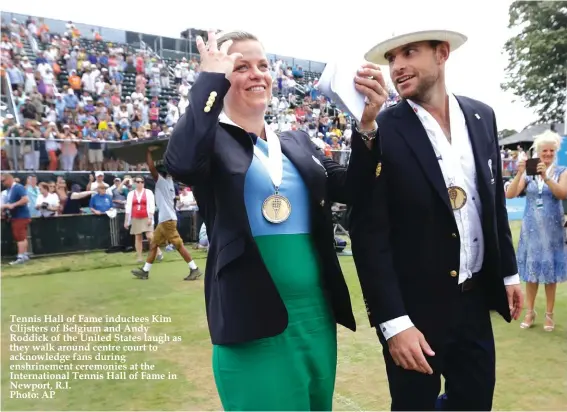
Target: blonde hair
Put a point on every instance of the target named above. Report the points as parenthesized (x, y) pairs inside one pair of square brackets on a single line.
[(545, 138), (235, 36)]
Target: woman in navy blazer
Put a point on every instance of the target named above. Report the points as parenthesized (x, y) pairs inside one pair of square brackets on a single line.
[(274, 288)]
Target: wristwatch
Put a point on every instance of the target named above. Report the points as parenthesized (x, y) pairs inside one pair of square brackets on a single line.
[(367, 135)]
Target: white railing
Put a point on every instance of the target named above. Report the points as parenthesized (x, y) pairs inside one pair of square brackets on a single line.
[(341, 156), (145, 47), (11, 106), (75, 140), (18, 158), (149, 49)]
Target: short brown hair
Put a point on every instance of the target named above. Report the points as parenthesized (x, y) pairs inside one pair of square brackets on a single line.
[(235, 36)]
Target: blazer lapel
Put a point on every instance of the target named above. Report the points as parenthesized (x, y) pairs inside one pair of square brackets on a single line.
[(479, 141), (412, 131), (303, 161)]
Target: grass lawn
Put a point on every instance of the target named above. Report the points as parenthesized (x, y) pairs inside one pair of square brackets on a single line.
[(531, 366)]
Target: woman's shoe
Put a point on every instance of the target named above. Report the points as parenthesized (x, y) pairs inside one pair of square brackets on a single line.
[(529, 319), (549, 318)]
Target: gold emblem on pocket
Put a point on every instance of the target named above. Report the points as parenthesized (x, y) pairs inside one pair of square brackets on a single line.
[(378, 169)]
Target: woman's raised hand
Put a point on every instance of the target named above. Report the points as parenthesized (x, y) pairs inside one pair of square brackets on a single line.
[(216, 60), (521, 167)]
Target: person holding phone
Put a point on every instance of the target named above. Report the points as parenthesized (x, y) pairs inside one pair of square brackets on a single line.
[(542, 253), (47, 203)]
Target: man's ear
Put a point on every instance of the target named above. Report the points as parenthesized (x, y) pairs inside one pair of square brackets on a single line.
[(442, 52)]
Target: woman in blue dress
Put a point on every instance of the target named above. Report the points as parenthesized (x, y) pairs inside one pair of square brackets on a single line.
[(542, 254)]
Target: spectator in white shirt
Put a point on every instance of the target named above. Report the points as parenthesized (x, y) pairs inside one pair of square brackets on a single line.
[(129, 106), (47, 203), (274, 124), (182, 105), (191, 76), (177, 73), (87, 80), (283, 105), (99, 86), (184, 68), (137, 96), (51, 145), (172, 114), (348, 134), (184, 88), (186, 200), (290, 117), (99, 176), (318, 141)]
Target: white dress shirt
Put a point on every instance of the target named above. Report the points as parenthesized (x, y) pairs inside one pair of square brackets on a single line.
[(457, 163)]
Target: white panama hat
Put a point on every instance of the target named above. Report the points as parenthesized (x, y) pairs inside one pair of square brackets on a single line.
[(376, 53)]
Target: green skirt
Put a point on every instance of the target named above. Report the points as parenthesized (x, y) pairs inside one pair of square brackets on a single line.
[(295, 370)]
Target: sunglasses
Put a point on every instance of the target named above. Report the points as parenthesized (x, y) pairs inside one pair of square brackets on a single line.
[(139, 181)]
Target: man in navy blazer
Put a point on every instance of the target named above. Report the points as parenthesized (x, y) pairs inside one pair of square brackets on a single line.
[(432, 243)]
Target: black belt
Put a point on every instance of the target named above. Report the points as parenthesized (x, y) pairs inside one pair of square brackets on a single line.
[(470, 283)]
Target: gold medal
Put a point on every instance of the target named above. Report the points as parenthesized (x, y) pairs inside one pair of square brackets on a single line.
[(457, 197), (276, 208)]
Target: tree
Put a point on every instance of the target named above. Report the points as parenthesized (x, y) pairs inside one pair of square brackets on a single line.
[(537, 57), (505, 133)]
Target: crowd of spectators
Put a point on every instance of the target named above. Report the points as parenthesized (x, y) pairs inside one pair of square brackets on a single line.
[(59, 197), (21, 202), (71, 99), (76, 94)]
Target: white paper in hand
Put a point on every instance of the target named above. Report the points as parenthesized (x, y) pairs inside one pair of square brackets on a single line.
[(324, 84), (343, 86), (337, 83)]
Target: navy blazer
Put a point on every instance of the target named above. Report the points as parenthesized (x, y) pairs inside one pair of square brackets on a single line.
[(242, 301), (405, 240)]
